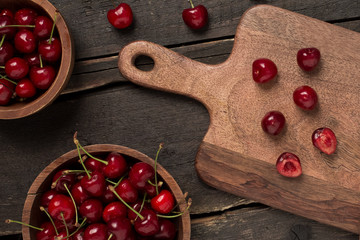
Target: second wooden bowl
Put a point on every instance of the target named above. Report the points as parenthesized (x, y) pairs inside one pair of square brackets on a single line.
[(33, 216)]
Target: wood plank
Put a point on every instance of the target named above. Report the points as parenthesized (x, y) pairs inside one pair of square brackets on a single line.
[(161, 21)]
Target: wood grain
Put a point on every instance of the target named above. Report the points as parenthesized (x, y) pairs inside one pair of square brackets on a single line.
[(236, 104)]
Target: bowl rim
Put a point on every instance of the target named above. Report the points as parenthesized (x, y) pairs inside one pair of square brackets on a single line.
[(184, 230), (62, 77)]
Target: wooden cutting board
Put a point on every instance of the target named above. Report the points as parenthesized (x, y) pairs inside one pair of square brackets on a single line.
[(236, 156)]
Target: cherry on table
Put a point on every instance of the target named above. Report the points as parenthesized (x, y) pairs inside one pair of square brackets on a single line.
[(195, 17), (305, 97), (164, 202), (263, 70), (91, 209), (288, 165), (61, 204), (273, 122), (50, 50), (116, 165), (121, 229), (120, 17), (95, 185), (114, 210), (25, 41), (16, 68), (308, 58), (149, 225), (140, 174), (325, 140), (96, 231), (167, 230)]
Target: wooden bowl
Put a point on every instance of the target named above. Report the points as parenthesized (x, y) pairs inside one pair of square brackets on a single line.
[(32, 214), (22, 109)]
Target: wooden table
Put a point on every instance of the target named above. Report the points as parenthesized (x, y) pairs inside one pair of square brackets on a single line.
[(106, 108)]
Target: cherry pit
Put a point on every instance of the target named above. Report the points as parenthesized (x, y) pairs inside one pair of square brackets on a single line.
[(76, 207), (30, 51)]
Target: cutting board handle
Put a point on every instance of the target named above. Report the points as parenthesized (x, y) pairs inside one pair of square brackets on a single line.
[(172, 72)]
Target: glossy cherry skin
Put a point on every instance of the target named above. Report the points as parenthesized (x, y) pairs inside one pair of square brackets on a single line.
[(288, 165), (308, 58), (149, 226), (6, 52), (7, 12), (196, 17), (120, 17), (16, 68), (68, 179), (59, 224), (140, 174), (91, 209), (61, 204), (95, 185), (136, 205), (9, 31), (96, 231), (108, 196), (164, 202), (50, 52), (114, 210), (25, 41), (47, 233), (43, 27), (167, 230), (116, 166), (32, 59), (25, 88), (6, 91), (47, 197), (25, 16), (79, 194), (325, 140), (263, 70), (121, 229), (42, 77), (273, 122), (79, 235), (305, 97), (93, 165), (127, 191), (150, 190)]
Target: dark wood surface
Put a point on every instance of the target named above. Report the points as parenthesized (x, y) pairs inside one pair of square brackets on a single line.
[(105, 108)]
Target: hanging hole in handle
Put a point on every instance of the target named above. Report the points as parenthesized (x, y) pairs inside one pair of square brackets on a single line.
[(144, 63)]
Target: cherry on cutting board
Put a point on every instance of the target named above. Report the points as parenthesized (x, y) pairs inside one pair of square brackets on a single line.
[(325, 140), (120, 17), (288, 165), (308, 58), (305, 97), (273, 122), (263, 70), (195, 17)]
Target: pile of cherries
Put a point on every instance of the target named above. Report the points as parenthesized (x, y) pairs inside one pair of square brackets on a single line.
[(111, 199), (29, 52), (305, 97)]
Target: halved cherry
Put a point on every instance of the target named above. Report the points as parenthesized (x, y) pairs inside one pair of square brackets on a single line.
[(325, 140), (288, 165)]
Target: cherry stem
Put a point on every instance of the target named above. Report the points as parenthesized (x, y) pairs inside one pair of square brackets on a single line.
[(77, 143), (81, 225), (108, 180), (81, 158), (53, 28), (66, 228), (72, 199), (5, 26), (51, 220), (125, 203), (7, 79), (142, 204), (3, 67), (25, 224), (191, 3), (2, 40), (41, 62), (118, 182), (176, 215), (155, 168), (110, 236)]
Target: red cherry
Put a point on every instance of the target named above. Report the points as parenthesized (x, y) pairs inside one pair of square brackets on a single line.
[(79, 235), (79, 194), (25, 88), (59, 224), (121, 229), (195, 17), (61, 235), (96, 231), (91, 209), (7, 12), (95, 185), (164, 202), (16, 68), (167, 230), (47, 197), (61, 204), (60, 179), (263, 70), (47, 233), (325, 140), (150, 190), (149, 225), (93, 165), (6, 52), (273, 122), (305, 97), (43, 27), (8, 31), (140, 174), (288, 165), (116, 166), (32, 59), (25, 41), (50, 52), (25, 16), (42, 77), (6, 92), (108, 196), (127, 191), (308, 58), (120, 17), (136, 206), (114, 210)]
